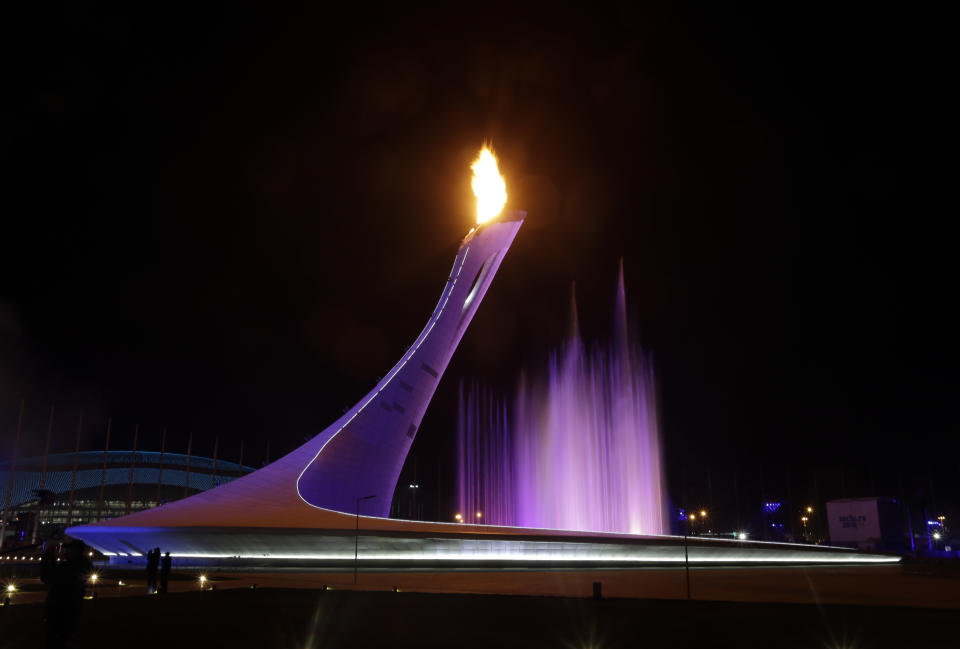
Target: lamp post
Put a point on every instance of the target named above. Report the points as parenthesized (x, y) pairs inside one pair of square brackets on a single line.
[(686, 551), (412, 512), (356, 542)]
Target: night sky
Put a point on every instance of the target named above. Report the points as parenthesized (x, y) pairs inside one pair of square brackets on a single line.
[(232, 222)]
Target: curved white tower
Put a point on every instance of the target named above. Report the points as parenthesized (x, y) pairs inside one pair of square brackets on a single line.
[(361, 454)]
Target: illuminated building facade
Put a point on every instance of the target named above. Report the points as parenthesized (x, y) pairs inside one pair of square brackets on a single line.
[(131, 482)]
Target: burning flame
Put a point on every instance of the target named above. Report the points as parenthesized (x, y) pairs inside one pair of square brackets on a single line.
[(488, 186)]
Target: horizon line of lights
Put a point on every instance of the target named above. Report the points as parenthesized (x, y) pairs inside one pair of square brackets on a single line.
[(535, 554), (539, 556), (586, 536)]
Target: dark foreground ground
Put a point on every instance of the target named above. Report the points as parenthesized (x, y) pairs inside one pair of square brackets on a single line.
[(305, 619)]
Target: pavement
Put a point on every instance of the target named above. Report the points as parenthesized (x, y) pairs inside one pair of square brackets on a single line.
[(904, 585), (312, 619)]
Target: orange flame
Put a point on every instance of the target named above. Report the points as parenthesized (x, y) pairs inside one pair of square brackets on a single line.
[(488, 186)]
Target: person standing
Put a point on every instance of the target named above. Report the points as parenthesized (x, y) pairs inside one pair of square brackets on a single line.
[(153, 562), (66, 582), (164, 571)]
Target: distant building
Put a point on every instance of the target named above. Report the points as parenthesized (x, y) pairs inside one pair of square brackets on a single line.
[(154, 483), (867, 523)]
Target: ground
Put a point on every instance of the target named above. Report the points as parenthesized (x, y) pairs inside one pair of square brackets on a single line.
[(833, 607), (342, 618)]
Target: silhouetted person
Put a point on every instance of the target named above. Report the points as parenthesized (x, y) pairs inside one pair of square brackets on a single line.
[(66, 582), (153, 562), (164, 571)]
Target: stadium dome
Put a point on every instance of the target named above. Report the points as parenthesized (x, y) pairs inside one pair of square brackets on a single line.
[(131, 482)]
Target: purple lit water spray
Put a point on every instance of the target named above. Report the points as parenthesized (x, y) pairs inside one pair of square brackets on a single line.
[(577, 449)]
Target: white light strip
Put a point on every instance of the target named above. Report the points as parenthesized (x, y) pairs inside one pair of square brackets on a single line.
[(586, 536), (421, 339), (540, 557)]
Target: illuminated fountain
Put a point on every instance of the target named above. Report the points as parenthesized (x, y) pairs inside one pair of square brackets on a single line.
[(577, 449)]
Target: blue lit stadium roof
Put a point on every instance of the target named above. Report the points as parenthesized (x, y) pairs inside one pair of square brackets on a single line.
[(90, 472)]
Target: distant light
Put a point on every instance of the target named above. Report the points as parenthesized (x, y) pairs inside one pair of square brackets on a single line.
[(693, 517), (809, 510), (479, 514), (11, 588), (94, 577), (936, 536), (120, 583), (742, 535), (203, 579), (89, 554), (458, 517)]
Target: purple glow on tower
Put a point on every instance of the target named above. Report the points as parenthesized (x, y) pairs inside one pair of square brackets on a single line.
[(578, 449)]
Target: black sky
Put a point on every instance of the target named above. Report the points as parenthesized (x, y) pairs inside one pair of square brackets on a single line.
[(232, 219)]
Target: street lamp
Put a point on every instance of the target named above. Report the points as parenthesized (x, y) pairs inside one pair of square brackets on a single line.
[(356, 541), (414, 487), (686, 551)]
